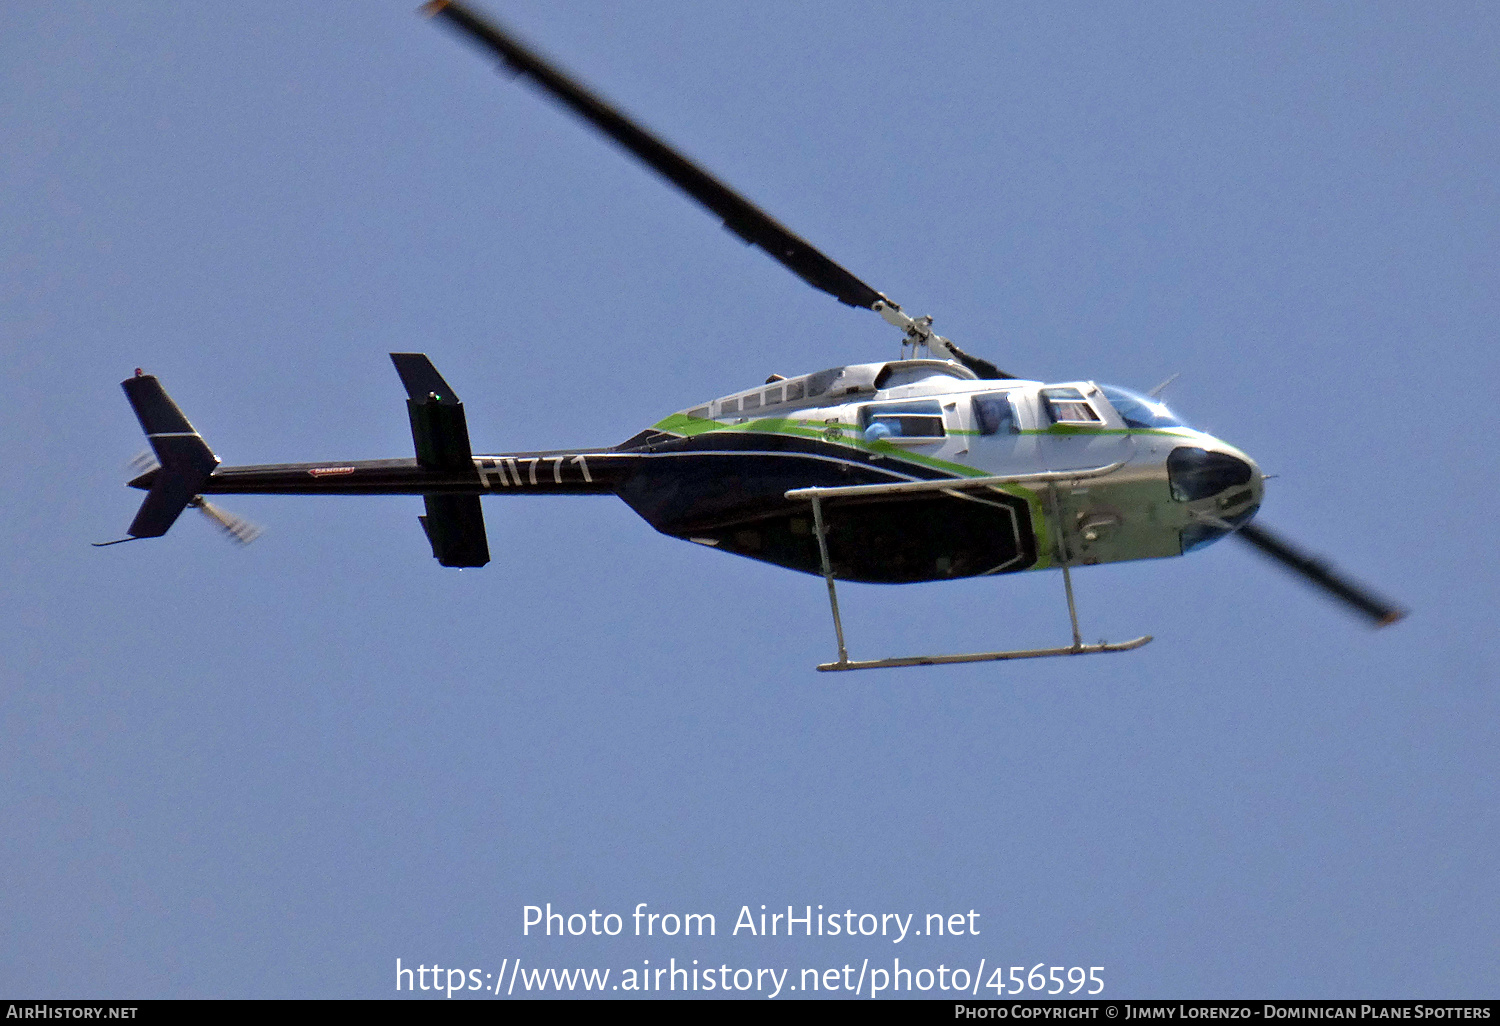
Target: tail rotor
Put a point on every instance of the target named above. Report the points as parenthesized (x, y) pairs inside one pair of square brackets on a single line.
[(236, 528)]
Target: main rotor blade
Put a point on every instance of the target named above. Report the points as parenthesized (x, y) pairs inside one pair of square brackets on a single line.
[(740, 216), (1320, 573)]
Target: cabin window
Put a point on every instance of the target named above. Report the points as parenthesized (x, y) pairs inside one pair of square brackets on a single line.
[(820, 382), (917, 421), (773, 396), (794, 390), (701, 413), (1068, 406), (994, 414), (750, 402), (728, 406)]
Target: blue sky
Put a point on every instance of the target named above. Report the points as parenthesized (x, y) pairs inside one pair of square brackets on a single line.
[(272, 771)]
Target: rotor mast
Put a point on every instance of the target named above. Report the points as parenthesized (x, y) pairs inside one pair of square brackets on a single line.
[(917, 332)]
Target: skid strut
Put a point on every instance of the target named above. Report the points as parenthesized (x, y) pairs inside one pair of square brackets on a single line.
[(1064, 557)]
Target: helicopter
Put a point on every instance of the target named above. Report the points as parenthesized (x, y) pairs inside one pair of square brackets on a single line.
[(936, 465)]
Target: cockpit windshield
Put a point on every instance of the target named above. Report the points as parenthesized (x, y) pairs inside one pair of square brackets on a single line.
[(1138, 411)]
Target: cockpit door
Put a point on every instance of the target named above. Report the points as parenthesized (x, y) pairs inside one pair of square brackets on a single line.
[(1076, 428)]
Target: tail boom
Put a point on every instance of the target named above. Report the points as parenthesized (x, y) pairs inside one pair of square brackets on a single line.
[(559, 472)]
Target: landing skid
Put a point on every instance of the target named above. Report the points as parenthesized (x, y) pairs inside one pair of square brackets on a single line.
[(816, 495), (986, 657)]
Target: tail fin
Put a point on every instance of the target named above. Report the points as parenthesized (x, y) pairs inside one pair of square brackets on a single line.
[(186, 460)]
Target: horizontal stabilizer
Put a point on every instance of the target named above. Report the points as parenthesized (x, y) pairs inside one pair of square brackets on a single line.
[(455, 529), (438, 426)]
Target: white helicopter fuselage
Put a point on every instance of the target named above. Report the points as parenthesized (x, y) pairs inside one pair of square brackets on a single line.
[(1131, 498)]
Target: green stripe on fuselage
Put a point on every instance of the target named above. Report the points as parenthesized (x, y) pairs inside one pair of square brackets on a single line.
[(833, 434)]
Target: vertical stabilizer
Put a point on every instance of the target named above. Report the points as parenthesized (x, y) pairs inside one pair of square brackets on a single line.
[(186, 460)]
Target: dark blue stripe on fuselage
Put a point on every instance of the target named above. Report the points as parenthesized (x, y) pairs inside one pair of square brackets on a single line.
[(729, 490)]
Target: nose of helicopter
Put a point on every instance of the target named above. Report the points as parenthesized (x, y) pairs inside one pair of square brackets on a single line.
[(1219, 486)]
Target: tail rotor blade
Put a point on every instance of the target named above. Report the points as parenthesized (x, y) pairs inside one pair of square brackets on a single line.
[(1321, 574), (237, 528)]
